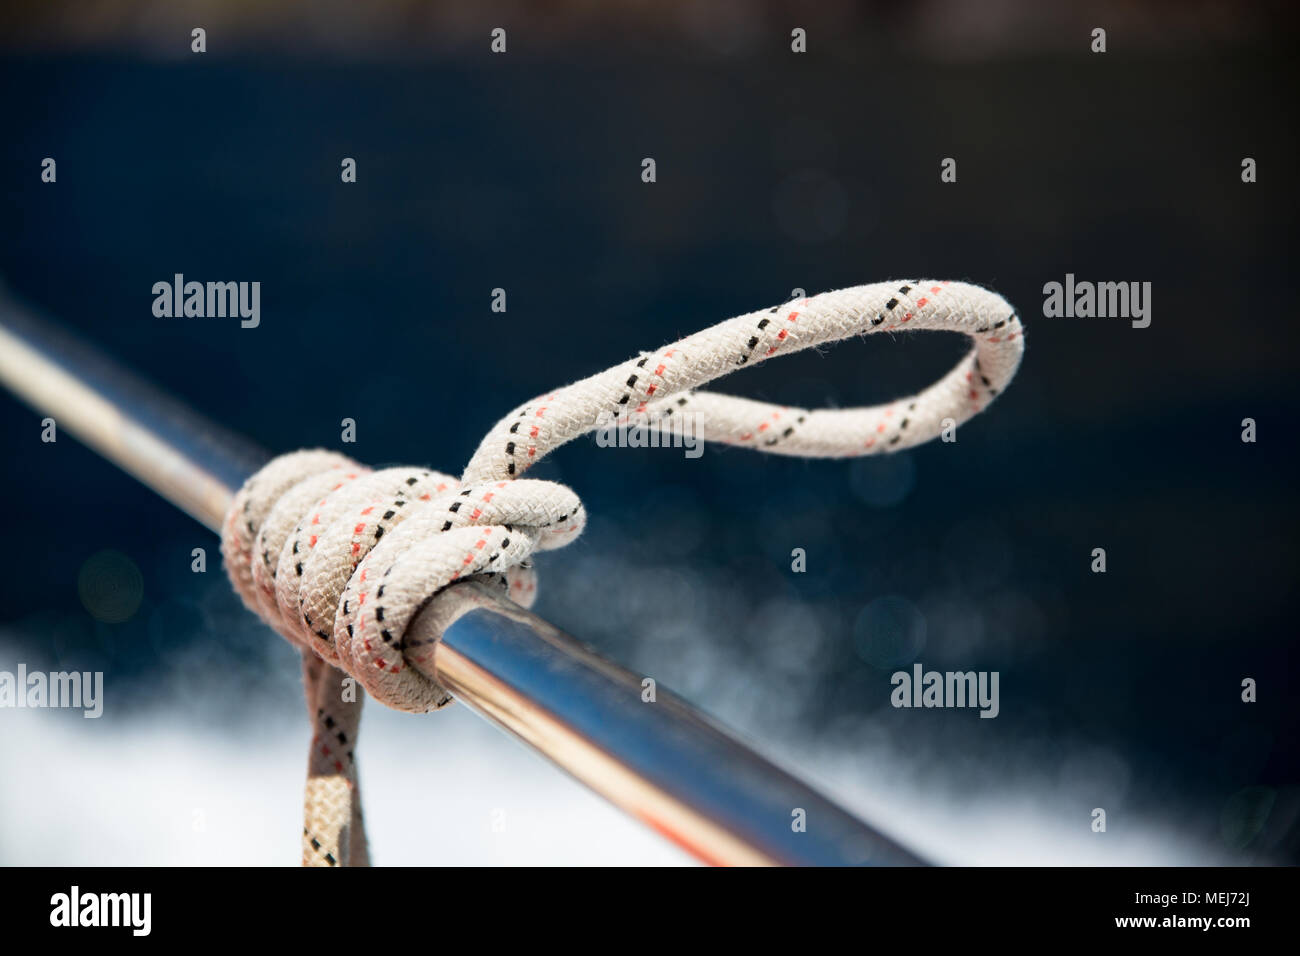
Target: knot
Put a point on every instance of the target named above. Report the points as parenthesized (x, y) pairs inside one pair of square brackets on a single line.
[(338, 558)]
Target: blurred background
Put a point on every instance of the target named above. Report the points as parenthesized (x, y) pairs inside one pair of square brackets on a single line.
[(775, 171)]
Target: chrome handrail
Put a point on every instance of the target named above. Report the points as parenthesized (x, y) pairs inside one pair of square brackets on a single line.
[(663, 761)]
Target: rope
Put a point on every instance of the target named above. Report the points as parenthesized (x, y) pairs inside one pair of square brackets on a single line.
[(338, 558)]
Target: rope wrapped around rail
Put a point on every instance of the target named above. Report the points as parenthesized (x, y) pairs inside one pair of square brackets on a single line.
[(338, 558)]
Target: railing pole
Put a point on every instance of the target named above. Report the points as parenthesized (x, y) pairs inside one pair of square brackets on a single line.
[(661, 761)]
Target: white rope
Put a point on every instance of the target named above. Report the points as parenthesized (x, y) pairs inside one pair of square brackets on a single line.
[(338, 558)]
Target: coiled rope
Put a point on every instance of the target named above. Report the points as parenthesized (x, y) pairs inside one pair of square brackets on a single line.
[(339, 558)]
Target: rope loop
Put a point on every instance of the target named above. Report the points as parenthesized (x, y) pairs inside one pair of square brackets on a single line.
[(659, 387)]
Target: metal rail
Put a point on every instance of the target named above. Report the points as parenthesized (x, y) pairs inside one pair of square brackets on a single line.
[(662, 762)]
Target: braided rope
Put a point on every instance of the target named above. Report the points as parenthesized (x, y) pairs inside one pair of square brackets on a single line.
[(338, 558)]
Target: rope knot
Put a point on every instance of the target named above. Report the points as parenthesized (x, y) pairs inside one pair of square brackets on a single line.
[(339, 558)]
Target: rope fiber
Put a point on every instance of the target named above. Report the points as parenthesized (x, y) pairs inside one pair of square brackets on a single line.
[(338, 558)]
